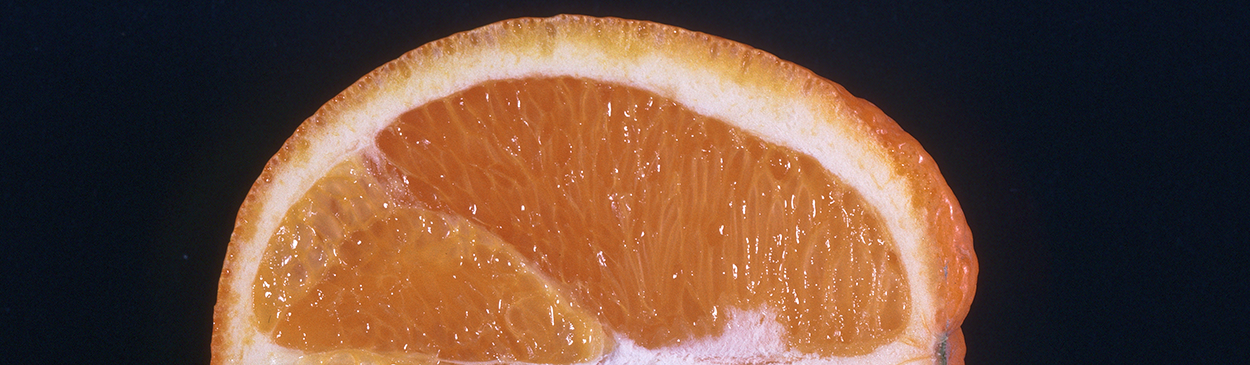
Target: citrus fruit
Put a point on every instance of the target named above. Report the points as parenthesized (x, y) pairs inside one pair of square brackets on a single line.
[(588, 190)]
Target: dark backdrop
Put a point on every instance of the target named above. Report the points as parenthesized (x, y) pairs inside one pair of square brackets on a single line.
[(1098, 150)]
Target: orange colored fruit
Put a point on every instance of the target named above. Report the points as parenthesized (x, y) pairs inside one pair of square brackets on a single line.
[(575, 189)]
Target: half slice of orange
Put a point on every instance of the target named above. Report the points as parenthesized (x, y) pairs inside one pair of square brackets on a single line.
[(588, 190)]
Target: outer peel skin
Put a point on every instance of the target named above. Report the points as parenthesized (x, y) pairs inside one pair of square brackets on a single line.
[(718, 78)]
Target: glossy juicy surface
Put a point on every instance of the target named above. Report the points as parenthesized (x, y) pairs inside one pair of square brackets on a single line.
[(540, 217)]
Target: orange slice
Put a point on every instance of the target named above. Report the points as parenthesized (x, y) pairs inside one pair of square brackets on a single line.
[(586, 190)]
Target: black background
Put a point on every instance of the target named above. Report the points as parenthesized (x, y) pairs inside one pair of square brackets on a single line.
[(1097, 148)]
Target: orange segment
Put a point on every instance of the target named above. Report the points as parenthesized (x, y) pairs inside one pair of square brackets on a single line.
[(354, 268), (661, 219)]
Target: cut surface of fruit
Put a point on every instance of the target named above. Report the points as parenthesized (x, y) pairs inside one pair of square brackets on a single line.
[(573, 190)]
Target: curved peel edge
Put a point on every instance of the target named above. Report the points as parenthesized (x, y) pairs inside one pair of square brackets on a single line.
[(718, 78)]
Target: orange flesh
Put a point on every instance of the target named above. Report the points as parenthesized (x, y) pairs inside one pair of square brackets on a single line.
[(600, 209)]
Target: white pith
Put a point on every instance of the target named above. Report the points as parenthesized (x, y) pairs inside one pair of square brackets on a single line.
[(804, 124)]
